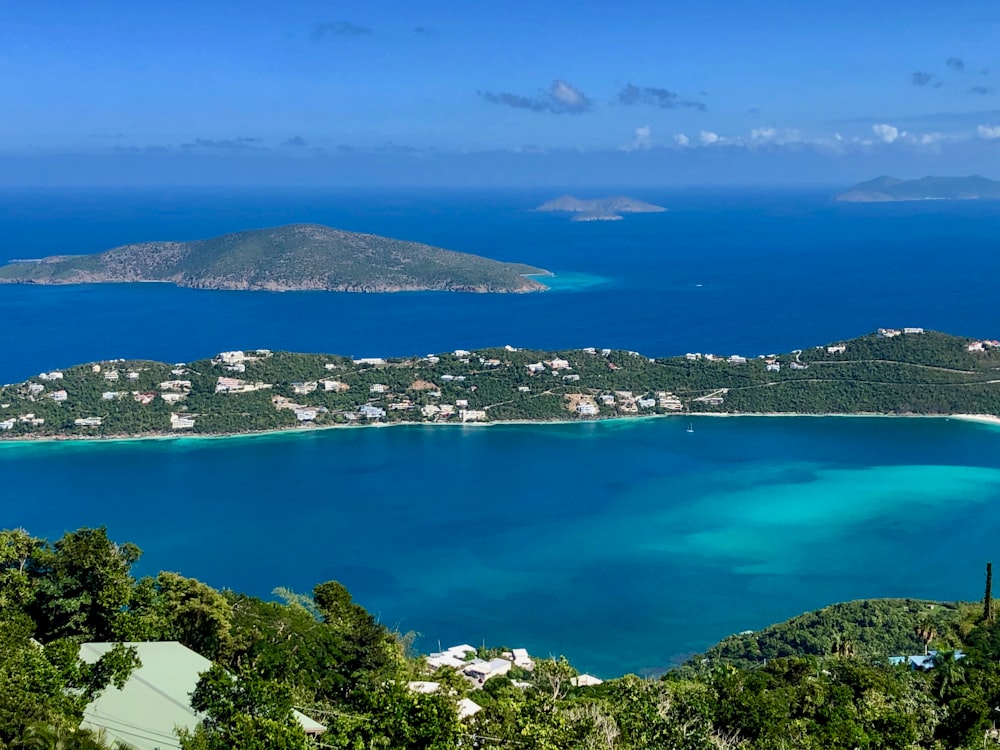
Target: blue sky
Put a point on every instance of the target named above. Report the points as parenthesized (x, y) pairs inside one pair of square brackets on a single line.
[(485, 93)]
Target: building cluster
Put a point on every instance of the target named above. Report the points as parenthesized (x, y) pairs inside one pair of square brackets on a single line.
[(476, 671), (889, 333), (984, 345)]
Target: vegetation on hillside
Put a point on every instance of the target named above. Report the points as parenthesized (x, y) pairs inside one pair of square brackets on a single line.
[(883, 189), (297, 256), (237, 392), (825, 683)]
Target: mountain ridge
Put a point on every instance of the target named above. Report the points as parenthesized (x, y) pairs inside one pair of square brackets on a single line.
[(887, 189)]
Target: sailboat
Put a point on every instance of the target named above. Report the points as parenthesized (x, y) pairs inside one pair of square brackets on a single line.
[(690, 427)]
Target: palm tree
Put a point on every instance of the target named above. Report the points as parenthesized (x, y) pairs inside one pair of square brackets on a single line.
[(61, 737), (948, 672), (926, 632)]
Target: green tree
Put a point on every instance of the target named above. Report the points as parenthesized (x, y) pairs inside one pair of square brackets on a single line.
[(244, 711), (82, 586)]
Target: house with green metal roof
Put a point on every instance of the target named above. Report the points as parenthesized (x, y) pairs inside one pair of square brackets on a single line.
[(156, 699)]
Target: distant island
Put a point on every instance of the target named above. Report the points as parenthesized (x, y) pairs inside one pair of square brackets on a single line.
[(598, 209), (288, 258), (891, 189), (891, 372)]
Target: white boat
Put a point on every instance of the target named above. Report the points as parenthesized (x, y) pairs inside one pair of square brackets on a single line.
[(691, 427)]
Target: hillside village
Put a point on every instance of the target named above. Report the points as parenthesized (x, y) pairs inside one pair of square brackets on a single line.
[(889, 371)]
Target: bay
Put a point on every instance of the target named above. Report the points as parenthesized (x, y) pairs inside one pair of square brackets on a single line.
[(624, 545)]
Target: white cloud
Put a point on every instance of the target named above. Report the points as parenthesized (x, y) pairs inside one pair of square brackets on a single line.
[(571, 98), (887, 133), (682, 140), (643, 140), (928, 139), (988, 132), (707, 137), (643, 137), (763, 134)]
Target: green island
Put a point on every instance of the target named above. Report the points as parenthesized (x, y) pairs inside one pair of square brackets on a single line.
[(92, 657), (892, 189), (295, 257), (890, 372)]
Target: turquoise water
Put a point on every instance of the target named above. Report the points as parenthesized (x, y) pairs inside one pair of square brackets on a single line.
[(626, 545)]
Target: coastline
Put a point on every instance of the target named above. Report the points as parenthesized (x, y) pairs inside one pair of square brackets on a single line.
[(984, 419)]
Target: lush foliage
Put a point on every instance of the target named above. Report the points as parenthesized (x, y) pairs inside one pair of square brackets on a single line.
[(820, 680), (929, 373), (298, 256)]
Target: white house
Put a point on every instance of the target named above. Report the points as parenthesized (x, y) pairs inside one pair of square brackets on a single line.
[(586, 409), (224, 385), (58, 395), (481, 670), (51, 376), (180, 422), (306, 415), (838, 349), (88, 422), (371, 412)]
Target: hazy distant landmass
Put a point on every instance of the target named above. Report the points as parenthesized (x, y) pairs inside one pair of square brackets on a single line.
[(598, 209), (888, 189), (287, 258)]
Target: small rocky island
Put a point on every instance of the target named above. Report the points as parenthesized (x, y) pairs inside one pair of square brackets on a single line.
[(598, 209), (891, 189), (288, 258)]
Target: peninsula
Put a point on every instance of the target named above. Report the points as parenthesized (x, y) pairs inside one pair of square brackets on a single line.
[(891, 372), (598, 209), (891, 189), (288, 258)]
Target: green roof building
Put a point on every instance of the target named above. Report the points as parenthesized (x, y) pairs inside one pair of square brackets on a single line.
[(156, 700)]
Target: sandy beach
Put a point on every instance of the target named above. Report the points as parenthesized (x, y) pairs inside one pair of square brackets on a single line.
[(986, 419)]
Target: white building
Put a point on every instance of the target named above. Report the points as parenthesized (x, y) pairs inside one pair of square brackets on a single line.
[(58, 395), (180, 422), (88, 422), (51, 376), (586, 409)]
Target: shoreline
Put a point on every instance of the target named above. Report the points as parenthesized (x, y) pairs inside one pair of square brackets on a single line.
[(985, 419)]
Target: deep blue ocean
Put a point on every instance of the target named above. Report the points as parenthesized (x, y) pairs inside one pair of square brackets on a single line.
[(625, 546)]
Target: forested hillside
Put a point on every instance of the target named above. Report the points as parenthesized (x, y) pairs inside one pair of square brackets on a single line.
[(825, 683)]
